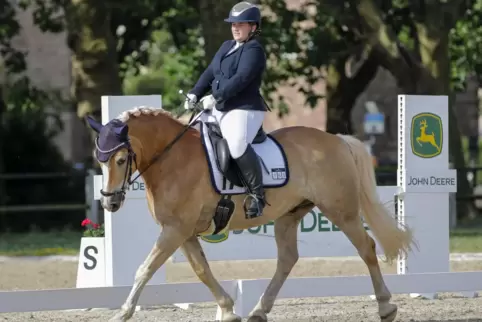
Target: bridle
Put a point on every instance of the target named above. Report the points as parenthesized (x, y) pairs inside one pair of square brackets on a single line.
[(131, 156)]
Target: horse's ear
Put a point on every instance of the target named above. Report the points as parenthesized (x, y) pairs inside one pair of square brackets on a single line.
[(96, 126), (122, 131)]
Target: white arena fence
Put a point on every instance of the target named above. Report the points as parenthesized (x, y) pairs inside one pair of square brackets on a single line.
[(107, 265)]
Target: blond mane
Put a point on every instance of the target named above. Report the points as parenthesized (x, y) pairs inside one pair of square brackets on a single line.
[(147, 111)]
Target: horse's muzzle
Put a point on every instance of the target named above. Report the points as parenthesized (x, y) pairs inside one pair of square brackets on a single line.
[(112, 201)]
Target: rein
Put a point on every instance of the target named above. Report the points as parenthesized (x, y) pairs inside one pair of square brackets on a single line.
[(132, 157), (162, 153)]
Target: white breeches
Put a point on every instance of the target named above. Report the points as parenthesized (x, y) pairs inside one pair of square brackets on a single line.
[(239, 127)]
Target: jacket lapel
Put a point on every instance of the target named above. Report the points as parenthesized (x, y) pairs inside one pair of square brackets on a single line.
[(221, 54), (228, 48)]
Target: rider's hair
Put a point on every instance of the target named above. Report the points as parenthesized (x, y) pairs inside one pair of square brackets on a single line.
[(255, 33)]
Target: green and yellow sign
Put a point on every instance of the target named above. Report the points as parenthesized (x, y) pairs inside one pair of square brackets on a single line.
[(216, 238), (426, 136)]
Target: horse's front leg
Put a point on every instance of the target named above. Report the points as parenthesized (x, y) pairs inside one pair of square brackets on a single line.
[(193, 251), (168, 241)]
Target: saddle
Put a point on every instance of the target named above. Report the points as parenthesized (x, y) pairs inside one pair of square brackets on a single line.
[(225, 162)]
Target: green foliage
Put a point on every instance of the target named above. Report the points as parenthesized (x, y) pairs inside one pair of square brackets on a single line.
[(280, 40), (159, 51), (29, 125), (46, 14), (95, 231), (466, 47), (169, 68), (28, 121), (12, 59), (301, 42), (134, 24), (335, 32)]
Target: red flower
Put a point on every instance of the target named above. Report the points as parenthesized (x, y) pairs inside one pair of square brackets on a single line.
[(85, 222), (95, 226)]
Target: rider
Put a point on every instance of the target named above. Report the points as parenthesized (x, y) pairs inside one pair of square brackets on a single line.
[(234, 77)]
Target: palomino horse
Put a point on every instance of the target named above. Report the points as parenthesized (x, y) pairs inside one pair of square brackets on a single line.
[(333, 172)]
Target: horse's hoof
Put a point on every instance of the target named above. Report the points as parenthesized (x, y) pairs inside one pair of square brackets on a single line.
[(231, 318), (121, 316), (257, 318), (390, 316)]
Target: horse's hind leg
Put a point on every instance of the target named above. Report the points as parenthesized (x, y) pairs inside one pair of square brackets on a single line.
[(286, 231), (353, 228), (192, 249)]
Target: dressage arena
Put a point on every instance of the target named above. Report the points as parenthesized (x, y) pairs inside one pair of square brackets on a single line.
[(247, 259), (38, 274)]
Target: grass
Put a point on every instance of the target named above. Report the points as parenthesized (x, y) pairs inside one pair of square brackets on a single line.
[(40, 243), (462, 240), (466, 240)]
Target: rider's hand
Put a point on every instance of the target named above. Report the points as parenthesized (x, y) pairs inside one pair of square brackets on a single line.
[(208, 102), (189, 103)]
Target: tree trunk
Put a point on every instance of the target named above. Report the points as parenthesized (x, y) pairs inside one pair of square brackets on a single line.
[(94, 61), (215, 30), (3, 109), (342, 92), (3, 183)]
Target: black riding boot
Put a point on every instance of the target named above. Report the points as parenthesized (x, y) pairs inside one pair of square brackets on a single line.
[(251, 170)]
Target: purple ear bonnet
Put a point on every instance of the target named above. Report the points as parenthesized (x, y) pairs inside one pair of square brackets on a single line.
[(112, 137)]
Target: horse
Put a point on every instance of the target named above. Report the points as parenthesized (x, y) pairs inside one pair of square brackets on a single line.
[(331, 171)]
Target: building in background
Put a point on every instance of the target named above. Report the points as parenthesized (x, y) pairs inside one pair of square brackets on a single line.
[(49, 68)]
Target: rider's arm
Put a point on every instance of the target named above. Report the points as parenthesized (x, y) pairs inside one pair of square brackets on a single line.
[(251, 65), (204, 83)]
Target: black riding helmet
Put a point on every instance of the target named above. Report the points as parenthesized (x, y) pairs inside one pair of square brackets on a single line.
[(245, 12)]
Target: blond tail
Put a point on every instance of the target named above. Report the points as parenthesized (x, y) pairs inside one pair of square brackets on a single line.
[(385, 228)]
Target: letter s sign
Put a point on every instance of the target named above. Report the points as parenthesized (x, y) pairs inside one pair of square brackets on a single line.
[(90, 266)]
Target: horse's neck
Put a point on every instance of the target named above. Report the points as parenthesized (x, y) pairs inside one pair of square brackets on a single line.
[(151, 137)]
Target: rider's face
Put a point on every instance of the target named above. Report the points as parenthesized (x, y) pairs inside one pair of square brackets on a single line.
[(241, 30)]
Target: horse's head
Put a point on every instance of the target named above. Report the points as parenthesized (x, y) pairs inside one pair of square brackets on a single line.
[(115, 154)]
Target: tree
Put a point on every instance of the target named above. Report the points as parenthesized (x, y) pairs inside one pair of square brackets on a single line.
[(309, 42), (27, 119), (425, 68), (12, 61), (428, 46), (214, 30), (108, 39), (95, 69)]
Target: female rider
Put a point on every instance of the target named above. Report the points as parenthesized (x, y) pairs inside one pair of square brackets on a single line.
[(234, 77)]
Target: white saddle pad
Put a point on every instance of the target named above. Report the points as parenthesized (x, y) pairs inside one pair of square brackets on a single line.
[(274, 164)]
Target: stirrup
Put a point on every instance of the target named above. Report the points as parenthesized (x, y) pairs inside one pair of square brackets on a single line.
[(258, 200)]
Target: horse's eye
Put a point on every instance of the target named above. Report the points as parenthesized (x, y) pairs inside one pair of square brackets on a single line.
[(121, 161)]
